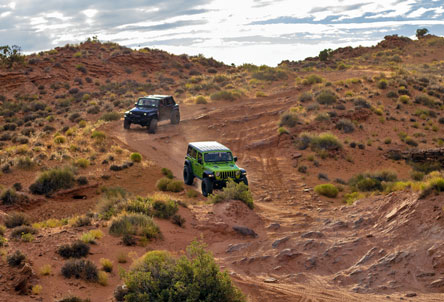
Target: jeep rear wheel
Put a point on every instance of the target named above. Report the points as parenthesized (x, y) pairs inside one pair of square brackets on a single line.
[(126, 124), (175, 117), (153, 126), (188, 176), (207, 187)]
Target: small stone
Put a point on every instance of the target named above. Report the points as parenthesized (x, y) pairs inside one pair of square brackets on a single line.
[(244, 231), (279, 241), (409, 295), (274, 226), (270, 280)]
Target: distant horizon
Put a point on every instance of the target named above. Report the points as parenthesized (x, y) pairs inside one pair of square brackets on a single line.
[(261, 32)]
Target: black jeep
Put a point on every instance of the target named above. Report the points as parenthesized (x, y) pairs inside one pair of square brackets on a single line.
[(151, 109)]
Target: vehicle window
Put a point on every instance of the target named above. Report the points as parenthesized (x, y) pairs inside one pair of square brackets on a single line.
[(144, 102), (218, 156), (193, 153), (189, 150), (199, 155)]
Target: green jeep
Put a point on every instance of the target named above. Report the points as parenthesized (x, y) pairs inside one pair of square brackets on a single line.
[(214, 164)]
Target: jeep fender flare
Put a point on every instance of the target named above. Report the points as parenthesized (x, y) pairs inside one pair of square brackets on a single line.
[(187, 163), (207, 173)]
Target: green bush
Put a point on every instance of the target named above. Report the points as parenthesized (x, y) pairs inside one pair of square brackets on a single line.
[(289, 119), (16, 219), (326, 97), (134, 224), (312, 79), (367, 182), (25, 163), (110, 116), (59, 139), (327, 190), (226, 95), (162, 209), (200, 100), (382, 84), (53, 180), (82, 163), (15, 259), (171, 185), (80, 269), (194, 277), (136, 157), (305, 97), (234, 191), (98, 135), (77, 249), (19, 231), (350, 198), (325, 141), (434, 185), (417, 175), (9, 196), (178, 220), (345, 125), (168, 173), (405, 99)]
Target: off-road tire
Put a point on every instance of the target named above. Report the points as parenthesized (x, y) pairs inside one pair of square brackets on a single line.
[(126, 124), (175, 117), (245, 180), (207, 187), (188, 176), (153, 126)]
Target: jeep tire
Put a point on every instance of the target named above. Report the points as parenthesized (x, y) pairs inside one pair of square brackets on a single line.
[(152, 126), (207, 187), (175, 117), (245, 180), (188, 176), (126, 124)]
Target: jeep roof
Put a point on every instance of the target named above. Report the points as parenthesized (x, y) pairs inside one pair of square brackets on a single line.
[(155, 96), (208, 146)]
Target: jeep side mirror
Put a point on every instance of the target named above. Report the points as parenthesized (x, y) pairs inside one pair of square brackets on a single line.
[(199, 160), (235, 159)]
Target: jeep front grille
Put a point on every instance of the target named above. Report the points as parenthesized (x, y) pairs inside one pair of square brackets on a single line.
[(228, 174)]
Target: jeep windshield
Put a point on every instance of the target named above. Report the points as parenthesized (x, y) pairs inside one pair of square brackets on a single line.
[(218, 156), (147, 102)]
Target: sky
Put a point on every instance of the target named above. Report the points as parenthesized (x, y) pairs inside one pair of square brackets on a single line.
[(232, 31)]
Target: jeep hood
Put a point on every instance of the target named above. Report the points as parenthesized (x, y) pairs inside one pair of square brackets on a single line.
[(143, 110), (219, 167)]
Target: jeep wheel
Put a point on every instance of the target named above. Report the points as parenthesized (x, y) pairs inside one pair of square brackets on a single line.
[(126, 124), (207, 187), (245, 180), (175, 117), (188, 176), (153, 126)]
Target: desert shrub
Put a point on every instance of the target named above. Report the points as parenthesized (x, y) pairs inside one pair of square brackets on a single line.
[(164, 209), (265, 73), (392, 94), (436, 184), (194, 277), (80, 221), (178, 220), (417, 175), (441, 120), (382, 84), (226, 95), (426, 167), (405, 99), (289, 119), (168, 173), (53, 180), (107, 265), (325, 141), (9, 196), (171, 185), (328, 190), (16, 219), (82, 180), (80, 269), (136, 157), (91, 236), (350, 198), (134, 224), (25, 163), (234, 191), (59, 139), (312, 79), (98, 135), (410, 141), (45, 270), (425, 100), (191, 193), (73, 299), (77, 249), (82, 163), (305, 97), (200, 100), (326, 97), (16, 258), (361, 103), (111, 116), (345, 125), (367, 182), (19, 231)]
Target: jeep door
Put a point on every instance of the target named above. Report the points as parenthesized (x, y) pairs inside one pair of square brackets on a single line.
[(199, 165)]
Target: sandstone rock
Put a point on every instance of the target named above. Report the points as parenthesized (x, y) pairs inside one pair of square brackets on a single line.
[(279, 241), (313, 234), (270, 280), (237, 247), (274, 226), (244, 231)]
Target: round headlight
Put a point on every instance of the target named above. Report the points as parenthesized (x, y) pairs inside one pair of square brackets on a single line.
[(144, 114), (217, 174), (130, 112)]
